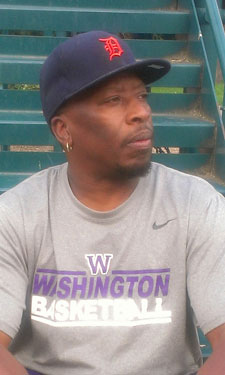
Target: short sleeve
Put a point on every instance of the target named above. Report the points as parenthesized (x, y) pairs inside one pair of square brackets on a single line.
[(206, 257), (13, 270)]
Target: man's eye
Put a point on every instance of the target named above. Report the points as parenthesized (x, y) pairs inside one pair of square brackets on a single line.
[(113, 99), (143, 96)]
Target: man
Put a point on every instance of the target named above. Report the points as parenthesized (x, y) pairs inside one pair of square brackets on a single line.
[(108, 262)]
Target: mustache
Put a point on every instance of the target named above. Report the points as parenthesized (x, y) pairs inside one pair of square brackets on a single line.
[(140, 134)]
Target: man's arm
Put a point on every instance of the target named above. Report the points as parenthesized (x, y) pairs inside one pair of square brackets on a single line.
[(8, 364), (5, 340), (215, 365)]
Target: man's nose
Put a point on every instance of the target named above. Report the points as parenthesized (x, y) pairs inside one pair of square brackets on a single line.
[(138, 112)]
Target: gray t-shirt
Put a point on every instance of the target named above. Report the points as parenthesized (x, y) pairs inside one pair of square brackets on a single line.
[(117, 293)]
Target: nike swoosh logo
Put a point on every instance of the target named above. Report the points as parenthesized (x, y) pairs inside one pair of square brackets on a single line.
[(159, 226)]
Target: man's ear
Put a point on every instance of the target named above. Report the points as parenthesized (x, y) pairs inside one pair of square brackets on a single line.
[(60, 130)]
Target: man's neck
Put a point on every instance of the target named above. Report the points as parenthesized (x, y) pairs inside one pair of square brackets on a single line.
[(100, 194)]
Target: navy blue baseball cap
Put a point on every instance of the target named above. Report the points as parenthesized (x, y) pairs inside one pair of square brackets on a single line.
[(85, 60)]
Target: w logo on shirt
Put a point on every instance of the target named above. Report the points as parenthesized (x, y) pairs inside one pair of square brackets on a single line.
[(99, 263)]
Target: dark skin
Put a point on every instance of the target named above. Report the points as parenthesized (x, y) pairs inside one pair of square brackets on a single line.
[(8, 364), (110, 130), (111, 133)]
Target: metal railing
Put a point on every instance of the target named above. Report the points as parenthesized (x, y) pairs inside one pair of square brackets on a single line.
[(213, 16)]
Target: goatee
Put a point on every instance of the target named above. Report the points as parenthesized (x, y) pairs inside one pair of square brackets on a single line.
[(129, 172)]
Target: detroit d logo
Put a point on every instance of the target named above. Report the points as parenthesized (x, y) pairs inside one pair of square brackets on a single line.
[(112, 46)]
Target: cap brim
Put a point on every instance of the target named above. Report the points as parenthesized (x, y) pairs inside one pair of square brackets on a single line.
[(149, 70)]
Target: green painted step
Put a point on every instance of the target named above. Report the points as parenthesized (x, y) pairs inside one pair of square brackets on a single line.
[(45, 18), (220, 161), (27, 70), (29, 162), (182, 131), (183, 162), (220, 187), (20, 45), (8, 181), (30, 128), (29, 100), (205, 345), (115, 4)]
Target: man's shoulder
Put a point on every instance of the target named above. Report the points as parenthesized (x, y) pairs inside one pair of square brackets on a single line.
[(174, 181), (33, 189)]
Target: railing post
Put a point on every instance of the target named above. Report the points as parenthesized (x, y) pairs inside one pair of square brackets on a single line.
[(213, 14)]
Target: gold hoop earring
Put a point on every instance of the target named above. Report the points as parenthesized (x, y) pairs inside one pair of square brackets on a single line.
[(68, 147)]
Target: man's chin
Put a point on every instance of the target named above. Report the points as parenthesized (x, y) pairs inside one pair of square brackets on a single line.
[(133, 171)]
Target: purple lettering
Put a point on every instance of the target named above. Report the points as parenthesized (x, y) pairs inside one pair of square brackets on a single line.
[(63, 284), (91, 287), (79, 287), (99, 263), (117, 290), (145, 291), (53, 291), (162, 285), (43, 284), (132, 280), (102, 287)]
